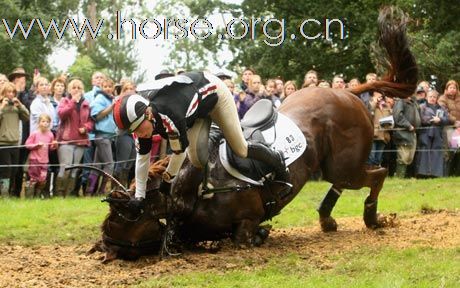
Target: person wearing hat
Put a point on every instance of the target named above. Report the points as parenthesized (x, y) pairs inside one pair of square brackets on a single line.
[(180, 108), (163, 74), (18, 77), (222, 76), (420, 94)]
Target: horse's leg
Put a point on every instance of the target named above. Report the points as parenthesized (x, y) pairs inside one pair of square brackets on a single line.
[(328, 223), (261, 234), (374, 180), (244, 233)]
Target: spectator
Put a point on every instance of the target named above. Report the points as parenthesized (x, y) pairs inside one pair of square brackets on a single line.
[(420, 94), (253, 94), (324, 84), (163, 74), (12, 111), (366, 96), (88, 156), (125, 152), (379, 110), (247, 74), (450, 101), (310, 79), (3, 80), (289, 88), (354, 83), (270, 93), (39, 142), (279, 88), (101, 113), (58, 91), (18, 78), (338, 82), (429, 161), (41, 103), (425, 85), (406, 115), (74, 114)]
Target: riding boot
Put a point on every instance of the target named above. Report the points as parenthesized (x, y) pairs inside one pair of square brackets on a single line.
[(40, 190), (4, 187), (70, 187), (61, 185), (30, 189), (103, 185), (400, 170), (91, 186), (270, 157)]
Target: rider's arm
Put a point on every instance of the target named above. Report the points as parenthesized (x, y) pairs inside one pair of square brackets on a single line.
[(142, 165)]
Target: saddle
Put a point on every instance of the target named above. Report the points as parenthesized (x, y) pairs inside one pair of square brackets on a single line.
[(259, 119)]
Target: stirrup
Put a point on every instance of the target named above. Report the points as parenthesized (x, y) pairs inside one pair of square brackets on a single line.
[(167, 240), (285, 190)]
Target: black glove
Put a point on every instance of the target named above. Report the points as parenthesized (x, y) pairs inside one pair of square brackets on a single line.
[(165, 188), (135, 205)]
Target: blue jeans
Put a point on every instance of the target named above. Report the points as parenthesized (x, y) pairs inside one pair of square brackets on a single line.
[(375, 157)]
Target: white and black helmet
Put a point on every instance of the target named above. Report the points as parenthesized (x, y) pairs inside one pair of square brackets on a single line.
[(129, 111)]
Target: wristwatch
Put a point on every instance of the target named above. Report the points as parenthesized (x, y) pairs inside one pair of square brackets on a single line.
[(167, 177)]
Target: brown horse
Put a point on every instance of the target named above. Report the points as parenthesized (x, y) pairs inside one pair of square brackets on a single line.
[(339, 134)]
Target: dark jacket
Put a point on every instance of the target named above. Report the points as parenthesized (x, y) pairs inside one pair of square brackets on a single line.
[(406, 113)]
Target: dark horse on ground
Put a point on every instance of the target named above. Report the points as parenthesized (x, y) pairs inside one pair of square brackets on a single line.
[(339, 133)]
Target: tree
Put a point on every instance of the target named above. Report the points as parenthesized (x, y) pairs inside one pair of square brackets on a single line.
[(32, 52), (434, 30), (116, 56)]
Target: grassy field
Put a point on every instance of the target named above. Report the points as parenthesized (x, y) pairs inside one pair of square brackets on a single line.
[(76, 221)]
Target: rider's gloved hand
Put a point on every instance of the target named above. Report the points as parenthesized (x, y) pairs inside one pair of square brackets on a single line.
[(165, 185), (135, 204)]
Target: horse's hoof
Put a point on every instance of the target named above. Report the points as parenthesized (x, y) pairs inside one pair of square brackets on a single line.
[(258, 240), (263, 233), (328, 224)]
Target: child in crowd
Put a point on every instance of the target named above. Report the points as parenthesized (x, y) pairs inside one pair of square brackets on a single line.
[(39, 142), (270, 89), (105, 131)]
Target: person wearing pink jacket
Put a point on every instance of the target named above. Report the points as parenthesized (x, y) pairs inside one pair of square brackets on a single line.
[(39, 143), (74, 114)]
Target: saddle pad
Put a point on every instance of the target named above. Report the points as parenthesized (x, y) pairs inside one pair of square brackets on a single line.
[(284, 136)]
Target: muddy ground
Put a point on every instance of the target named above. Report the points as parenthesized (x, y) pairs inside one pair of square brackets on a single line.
[(69, 266)]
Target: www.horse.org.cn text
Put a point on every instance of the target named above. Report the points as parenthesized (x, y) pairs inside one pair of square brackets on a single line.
[(274, 32)]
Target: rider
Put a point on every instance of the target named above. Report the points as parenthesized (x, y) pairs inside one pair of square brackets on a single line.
[(178, 108)]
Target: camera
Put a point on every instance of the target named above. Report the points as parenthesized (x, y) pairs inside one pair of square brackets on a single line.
[(10, 102)]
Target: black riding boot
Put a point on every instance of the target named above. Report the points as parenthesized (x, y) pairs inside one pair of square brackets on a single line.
[(271, 157)]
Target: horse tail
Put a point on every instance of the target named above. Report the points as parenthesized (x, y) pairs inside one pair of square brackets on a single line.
[(402, 73)]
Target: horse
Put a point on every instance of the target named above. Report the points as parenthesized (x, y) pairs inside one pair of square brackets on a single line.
[(339, 132)]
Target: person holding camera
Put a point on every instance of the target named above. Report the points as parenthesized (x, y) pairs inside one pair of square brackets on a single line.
[(380, 110), (429, 161), (12, 111)]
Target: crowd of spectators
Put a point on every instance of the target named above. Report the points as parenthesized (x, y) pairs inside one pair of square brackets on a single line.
[(53, 125)]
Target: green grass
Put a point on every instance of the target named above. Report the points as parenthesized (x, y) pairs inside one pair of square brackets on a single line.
[(415, 267), (77, 220), (39, 222)]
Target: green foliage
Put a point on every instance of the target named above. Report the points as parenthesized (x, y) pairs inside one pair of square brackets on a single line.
[(434, 30), (83, 68), (115, 56), (32, 52)]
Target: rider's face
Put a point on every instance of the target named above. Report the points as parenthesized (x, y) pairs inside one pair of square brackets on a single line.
[(145, 130)]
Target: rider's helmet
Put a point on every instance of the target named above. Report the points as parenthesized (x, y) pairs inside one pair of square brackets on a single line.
[(129, 111)]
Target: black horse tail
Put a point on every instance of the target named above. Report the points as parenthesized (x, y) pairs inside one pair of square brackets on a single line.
[(402, 74)]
